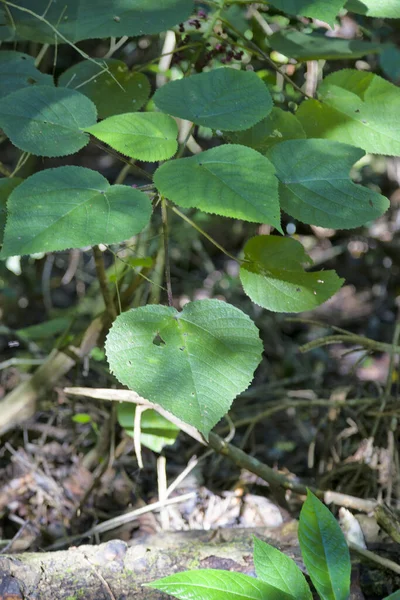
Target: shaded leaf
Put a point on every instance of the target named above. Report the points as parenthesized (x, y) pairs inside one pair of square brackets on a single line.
[(230, 180), (144, 136), (7, 185), (17, 71), (316, 187), (324, 550), (47, 121), (155, 430), (274, 277), (224, 98), (192, 363), (389, 61), (71, 207)]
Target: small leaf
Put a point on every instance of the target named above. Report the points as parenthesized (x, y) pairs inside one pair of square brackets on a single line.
[(389, 62), (324, 550), (71, 207), (156, 431), (211, 584), (81, 418), (385, 9), (357, 108), (7, 185), (278, 126), (192, 363), (277, 569), (144, 136), (17, 71), (316, 187), (303, 46), (114, 89), (229, 180), (325, 10), (275, 279), (225, 99), (47, 121), (45, 330)]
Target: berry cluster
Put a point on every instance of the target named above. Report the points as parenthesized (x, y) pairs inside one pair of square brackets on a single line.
[(224, 53)]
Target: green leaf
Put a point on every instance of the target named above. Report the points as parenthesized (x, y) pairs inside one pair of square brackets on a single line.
[(17, 71), (274, 277), (81, 418), (7, 185), (45, 330), (394, 596), (303, 46), (211, 584), (89, 19), (47, 121), (144, 136), (155, 430), (325, 10), (278, 126), (230, 180), (324, 550), (277, 569), (386, 9), (358, 108), (389, 62), (192, 363), (71, 207), (225, 99), (316, 187), (114, 89)]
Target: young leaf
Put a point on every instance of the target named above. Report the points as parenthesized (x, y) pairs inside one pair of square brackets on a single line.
[(303, 46), (274, 277), (192, 363), (155, 430), (212, 584), (7, 185), (316, 188), (358, 108), (89, 19), (325, 10), (144, 136), (278, 126), (225, 99), (230, 180), (71, 207), (17, 71), (385, 9), (47, 121), (324, 549), (114, 89), (277, 569)]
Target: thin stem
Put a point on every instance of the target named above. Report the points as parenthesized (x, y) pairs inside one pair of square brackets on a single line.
[(41, 54), (102, 277), (167, 266), (352, 339), (4, 170)]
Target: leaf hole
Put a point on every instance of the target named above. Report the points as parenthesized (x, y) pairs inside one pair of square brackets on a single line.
[(157, 340), (182, 348), (129, 363)]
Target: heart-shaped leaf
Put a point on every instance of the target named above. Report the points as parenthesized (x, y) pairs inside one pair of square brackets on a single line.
[(192, 363), (224, 98), (274, 277), (144, 136), (229, 180), (71, 207), (47, 121), (315, 184), (113, 88), (17, 71)]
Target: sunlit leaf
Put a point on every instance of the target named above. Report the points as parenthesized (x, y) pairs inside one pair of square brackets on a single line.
[(386, 9), (325, 10)]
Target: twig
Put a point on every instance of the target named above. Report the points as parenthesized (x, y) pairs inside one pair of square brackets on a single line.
[(379, 560), (105, 290), (167, 265)]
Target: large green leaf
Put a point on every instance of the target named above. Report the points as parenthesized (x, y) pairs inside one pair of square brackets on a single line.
[(325, 10), (47, 121), (192, 363), (387, 9), (230, 180), (211, 584), (316, 188), (224, 98), (71, 207), (113, 88), (88, 19), (324, 549), (156, 431), (17, 71), (273, 276), (358, 108), (278, 126), (303, 46), (144, 136), (277, 569), (7, 185)]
